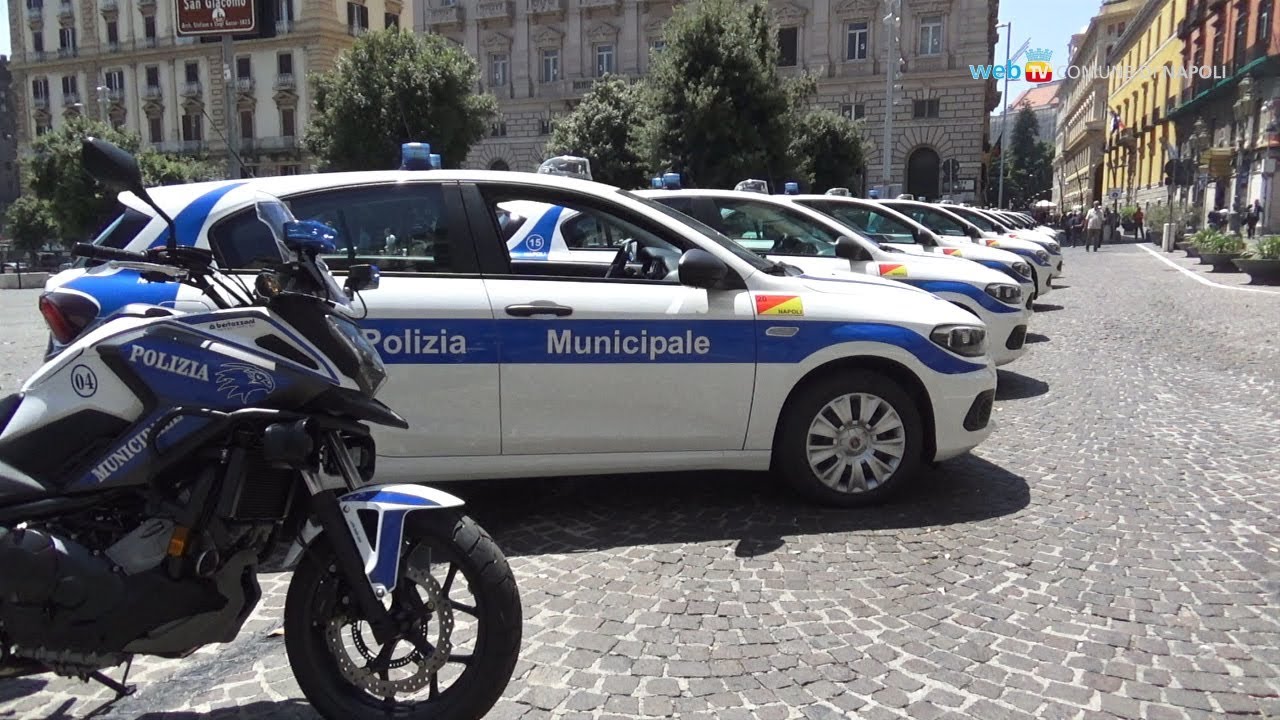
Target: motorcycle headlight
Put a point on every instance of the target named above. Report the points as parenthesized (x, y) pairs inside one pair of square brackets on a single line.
[(1042, 256), (966, 340), (370, 373), (1022, 269), (1010, 294), (1055, 248)]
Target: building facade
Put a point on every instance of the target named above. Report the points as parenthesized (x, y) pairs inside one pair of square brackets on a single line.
[(1044, 104), (540, 56), (1148, 57), (1083, 120), (122, 61), (9, 183), (1228, 121)]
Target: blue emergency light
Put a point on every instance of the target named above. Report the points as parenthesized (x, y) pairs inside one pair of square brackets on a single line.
[(436, 162), (415, 156), (671, 181), (656, 183), (873, 194), (791, 188)]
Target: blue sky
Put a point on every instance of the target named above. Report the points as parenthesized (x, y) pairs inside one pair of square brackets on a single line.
[(1047, 25)]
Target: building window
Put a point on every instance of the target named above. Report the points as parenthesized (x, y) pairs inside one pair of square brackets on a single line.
[(153, 76), (544, 126), (657, 45), (931, 35), (1242, 34), (244, 68), (1219, 46), (43, 127), (390, 20), (37, 41), (155, 129), (1120, 29), (287, 122), (499, 129), (284, 63), (246, 125), (193, 71), (357, 19), (192, 127), (289, 170), (498, 65), (284, 11), (604, 60), (69, 86), (853, 111), (1266, 16), (550, 65), (149, 30), (857, 34), (114, 80), (67, 38), (925, 108), (113, 34), (40, 88), (788, 46)]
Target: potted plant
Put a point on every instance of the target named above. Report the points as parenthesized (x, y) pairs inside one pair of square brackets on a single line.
[(1191, 245), (1262, 262), (1218, 249)]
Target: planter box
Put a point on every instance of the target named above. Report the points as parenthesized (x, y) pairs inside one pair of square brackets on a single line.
[(1221, 262), (27, 280), (1260, 272), (1189, 249)]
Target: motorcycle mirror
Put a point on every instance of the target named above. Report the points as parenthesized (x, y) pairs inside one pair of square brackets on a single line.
[(362, 277), (114, 167)]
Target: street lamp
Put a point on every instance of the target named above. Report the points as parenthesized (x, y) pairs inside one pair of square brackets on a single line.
[(1004, 114), (892, 25)]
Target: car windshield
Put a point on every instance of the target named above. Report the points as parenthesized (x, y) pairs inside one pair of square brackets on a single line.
[(936, 220), (976, 218), (1001, 225), (122, 229), (876, 224), (766, 228), (747, 256)]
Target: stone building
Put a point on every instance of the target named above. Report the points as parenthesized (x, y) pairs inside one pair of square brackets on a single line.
[(9, 184), (123, 61), (1083, 121), (540, 56), (1228, 120), (1149, 54), (1044, 103)]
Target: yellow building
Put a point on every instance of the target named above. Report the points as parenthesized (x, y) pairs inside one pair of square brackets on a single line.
[(1145, 80)]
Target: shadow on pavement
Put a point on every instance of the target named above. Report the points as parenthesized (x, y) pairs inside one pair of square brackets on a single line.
[(1037, 338), (538, 516), (1044, 307), (291, 709), (1013, 386)]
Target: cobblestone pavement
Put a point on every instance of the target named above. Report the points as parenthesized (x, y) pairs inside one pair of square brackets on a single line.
[(1112, 551)]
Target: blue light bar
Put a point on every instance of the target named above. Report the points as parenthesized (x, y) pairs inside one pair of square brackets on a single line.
[(791, 188), (415, 156), (671, 181), (436, 162), (656, 183)]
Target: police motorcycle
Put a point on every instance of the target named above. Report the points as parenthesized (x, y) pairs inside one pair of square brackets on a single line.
[(153, 468)]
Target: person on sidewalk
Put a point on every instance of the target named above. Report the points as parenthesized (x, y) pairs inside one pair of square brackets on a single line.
[(1094, 225), (1139, 225), (1253, 216)]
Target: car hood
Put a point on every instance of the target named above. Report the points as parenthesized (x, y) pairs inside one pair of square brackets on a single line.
[(968, 251), (831, 296), (902, 266)]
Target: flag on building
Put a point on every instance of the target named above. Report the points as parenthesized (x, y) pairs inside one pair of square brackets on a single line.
[(1116, 123)]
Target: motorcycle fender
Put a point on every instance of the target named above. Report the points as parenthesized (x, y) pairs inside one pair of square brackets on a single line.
[(390, 505)]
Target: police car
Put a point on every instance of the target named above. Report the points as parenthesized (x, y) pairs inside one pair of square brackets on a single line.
[(887, 226), (783, 230), (996, 227), (950, 224), (515, 368)]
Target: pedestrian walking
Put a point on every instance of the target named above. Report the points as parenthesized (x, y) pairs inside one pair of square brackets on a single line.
[(1094, 226), (1140, 227), (1108, 227), (1253, 216)]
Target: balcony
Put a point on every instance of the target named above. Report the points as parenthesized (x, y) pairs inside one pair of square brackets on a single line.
[(494, 10), (356, 30), (110, 9), (285, 81), (113, 47), (66, 12), (192, 90), (70, 98), (35, 16), (68, 52), (152, 92), (593, 4), (277, 143), (1127, 137), (244, 85), (451, 15), (284, 27), (148, 43), (40, 103), (147, 7), (546, 7), (115, 95), (582, 85)]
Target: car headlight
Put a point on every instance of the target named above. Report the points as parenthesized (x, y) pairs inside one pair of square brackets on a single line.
[(966, 340), (1011, 294), (1042, 256), (1055, 248), (1022, 269), (368, 371)]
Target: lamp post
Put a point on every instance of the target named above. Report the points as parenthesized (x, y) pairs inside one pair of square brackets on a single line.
[(1198, 142), (892, 25), (1004, 114), (1243, 111)]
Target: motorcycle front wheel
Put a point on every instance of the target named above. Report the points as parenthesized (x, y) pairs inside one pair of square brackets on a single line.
[(456, 595)]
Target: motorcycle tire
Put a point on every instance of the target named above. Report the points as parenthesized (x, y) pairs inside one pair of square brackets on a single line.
[(315, 602)]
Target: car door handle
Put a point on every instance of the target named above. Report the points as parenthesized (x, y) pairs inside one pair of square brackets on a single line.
[(535, 309)]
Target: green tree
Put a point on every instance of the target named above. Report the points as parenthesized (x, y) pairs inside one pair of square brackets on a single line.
[(718, 110), (55, 175), (603, 129), (1029, 166), (394, 87), (31, 224), (827, 149)]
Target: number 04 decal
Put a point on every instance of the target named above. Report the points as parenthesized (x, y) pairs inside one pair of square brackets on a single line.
[(84, 381)]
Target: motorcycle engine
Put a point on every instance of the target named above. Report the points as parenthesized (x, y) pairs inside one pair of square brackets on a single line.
[(43, 576)]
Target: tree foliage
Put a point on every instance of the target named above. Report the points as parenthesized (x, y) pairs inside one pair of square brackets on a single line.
[(827, 149), (719, 112), (604, 129), (1028, 168), (78, 203), (30, 222), (394, 87)]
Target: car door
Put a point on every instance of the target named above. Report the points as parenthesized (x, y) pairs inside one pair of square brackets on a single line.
[(622, 364), (429, 318)]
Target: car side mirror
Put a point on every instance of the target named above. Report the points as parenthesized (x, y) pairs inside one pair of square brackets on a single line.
[(699, 268), (973, 233), (363, 277), (849, 249)]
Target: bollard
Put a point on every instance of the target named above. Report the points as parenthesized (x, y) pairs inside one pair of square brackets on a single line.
[(1166, 243)]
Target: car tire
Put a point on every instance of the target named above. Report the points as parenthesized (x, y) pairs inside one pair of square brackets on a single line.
[(869, 457)]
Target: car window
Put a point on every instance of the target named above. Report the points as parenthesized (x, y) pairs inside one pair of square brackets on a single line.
[(939, 222), (715, 235), (399, 228), (877, 225), (772, 229), (589, 231), (996, 223), (982, 222), (122, 229)]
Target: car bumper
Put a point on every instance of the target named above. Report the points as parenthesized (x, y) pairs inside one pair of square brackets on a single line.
[(962, 412), (1006, 335), (1055, 262)]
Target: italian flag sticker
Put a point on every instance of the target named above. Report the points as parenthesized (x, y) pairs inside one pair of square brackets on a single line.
[(779, 305), (892, 270), (952, 251)]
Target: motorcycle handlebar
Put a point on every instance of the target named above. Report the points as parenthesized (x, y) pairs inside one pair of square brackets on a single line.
[(98, 252)]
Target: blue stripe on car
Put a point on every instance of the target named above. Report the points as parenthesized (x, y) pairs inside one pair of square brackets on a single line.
[(997, 265), (114, 290), (959, 288), (537, 244), (190, 220), (558, 342), (1026, 253)]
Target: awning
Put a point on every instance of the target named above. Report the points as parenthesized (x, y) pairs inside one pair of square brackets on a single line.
[(1218, 89)]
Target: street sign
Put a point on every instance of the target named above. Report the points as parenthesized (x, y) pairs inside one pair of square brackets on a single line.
[(1115, 193), (216, 17)]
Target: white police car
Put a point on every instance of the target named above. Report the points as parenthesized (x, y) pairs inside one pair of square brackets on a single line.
[(887, 226), (996, 227), (948, 223), (781, 229), (715, 359)]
